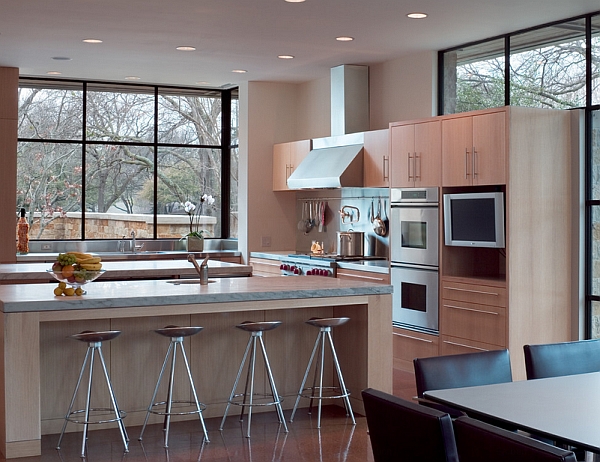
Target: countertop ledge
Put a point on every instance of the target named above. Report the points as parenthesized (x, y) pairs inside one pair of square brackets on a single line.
[(17, 298)]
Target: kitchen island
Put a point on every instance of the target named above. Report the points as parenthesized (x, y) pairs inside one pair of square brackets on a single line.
[(40, 364)]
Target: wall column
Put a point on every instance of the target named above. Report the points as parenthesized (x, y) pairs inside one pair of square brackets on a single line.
[(9, 108)]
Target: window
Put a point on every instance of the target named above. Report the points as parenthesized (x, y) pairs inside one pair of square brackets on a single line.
[(96, 161)]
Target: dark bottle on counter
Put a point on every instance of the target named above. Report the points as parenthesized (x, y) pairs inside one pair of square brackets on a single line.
[(22, 234)]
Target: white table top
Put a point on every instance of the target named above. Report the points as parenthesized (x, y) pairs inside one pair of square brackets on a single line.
[(563, 408)]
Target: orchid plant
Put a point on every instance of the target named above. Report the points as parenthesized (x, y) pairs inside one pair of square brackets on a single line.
[(194, 214)]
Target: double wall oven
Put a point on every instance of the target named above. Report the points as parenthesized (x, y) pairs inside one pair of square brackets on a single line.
[(414, 247)]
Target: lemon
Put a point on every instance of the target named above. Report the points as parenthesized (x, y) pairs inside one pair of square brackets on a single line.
[(69, 291), (79, 291), (62, 285), (58, 291)]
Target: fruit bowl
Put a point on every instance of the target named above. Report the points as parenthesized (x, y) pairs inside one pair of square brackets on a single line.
[(79, 277)]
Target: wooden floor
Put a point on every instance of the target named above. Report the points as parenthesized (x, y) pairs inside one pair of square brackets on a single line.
[(337, 440)]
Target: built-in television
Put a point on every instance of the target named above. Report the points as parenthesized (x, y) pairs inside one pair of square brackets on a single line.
[(474, 219)]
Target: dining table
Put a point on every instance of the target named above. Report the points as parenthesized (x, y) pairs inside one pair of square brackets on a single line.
[(565, 409)]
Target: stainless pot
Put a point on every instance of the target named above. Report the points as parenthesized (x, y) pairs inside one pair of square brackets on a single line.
[(350, 243)]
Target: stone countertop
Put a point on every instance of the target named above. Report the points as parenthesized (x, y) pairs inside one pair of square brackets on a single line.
[(50, 257), (15, 298), (375, 266), (137, 269)]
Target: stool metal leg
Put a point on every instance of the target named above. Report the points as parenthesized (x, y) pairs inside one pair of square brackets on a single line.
[(89, 356), (235, 384), (172, 350), (319, 369), (273, 387), (345, 391), (248, 395)]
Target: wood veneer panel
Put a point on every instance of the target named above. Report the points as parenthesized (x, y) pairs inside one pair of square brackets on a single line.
[(9, 93)]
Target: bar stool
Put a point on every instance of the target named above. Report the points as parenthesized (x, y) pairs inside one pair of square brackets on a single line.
[(325, 325), (94, 341), (176, 334), (256, 330)]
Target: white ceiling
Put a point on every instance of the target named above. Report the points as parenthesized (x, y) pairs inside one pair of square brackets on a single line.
[(140, 36)]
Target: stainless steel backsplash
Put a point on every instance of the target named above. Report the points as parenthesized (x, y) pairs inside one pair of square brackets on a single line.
[(361, 198)]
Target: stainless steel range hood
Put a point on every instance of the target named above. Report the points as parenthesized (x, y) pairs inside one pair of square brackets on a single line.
[(337, 161)]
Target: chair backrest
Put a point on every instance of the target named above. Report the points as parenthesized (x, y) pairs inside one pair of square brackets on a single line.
[(402, 430), (477, 441), (465, 370), (558, 359)]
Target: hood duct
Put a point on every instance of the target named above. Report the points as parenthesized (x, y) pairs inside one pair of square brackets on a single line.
[(337, 161)]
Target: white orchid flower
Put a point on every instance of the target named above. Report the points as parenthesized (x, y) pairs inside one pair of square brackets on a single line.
[(189, 207), (208, 199)]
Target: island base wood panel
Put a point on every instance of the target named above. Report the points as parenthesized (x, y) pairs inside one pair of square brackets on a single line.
[(134, 358)]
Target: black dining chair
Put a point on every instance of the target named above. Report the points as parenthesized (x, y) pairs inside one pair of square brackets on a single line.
[(478, 441), (403, 430), (462, 370), (565, 358)]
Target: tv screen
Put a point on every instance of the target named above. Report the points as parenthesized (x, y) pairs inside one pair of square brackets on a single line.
[(474, 219)]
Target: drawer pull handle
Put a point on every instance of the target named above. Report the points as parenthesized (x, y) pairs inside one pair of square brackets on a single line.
[(359, 276), (471, 309), (413, 338), (464, 346), (473, 291)]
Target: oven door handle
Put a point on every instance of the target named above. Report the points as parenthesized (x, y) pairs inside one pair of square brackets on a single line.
[(401, 265)]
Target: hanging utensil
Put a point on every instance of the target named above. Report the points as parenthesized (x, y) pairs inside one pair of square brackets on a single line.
[(308, 225), (302, 222), (372, 211), (378, 224)]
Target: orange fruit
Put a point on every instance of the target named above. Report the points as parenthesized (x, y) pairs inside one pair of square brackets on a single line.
[(67, 271)]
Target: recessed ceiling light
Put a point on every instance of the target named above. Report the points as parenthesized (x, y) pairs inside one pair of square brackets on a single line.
[(416, 15), (294, 1), (285, 57), (202, 82), (53, 73), (132, 77), (344, 38), (90, 40), (239, 71), (186, 48), (61, 58)]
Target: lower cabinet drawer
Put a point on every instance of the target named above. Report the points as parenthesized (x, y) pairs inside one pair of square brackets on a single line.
[(454, 346), (409, 345), (480, 323)]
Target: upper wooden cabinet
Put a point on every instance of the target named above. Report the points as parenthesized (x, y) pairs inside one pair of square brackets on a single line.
[(286, 157), (474, 149), (376, 159), (416, 154)]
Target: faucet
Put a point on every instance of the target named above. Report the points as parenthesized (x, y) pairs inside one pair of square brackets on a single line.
[(133, 241), (202, 269)]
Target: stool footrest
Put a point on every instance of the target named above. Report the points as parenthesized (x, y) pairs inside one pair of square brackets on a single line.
[(308, 393), (255, 396), (189, 403), (94, 410)]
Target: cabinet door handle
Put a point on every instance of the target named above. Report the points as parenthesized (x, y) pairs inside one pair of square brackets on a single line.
[(463, 345), (413, 338), (409, 167), (386, 171), (495, 294), (417, 157), (466, 163), (473, 161), (463, 308)]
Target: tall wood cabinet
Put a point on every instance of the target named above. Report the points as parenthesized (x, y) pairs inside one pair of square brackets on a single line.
[(286, 157), (416, 154), (527, 292)]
